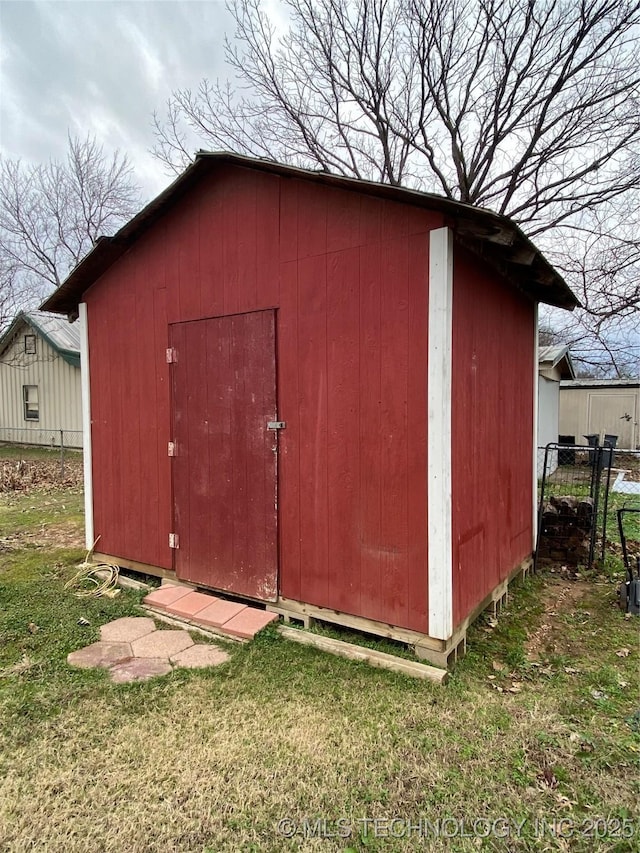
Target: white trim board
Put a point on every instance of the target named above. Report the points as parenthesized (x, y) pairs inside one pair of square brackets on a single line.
[(86, 425), (439, 433), (536, 392)]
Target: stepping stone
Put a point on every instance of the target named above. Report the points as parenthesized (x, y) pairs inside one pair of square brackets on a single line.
[(166, 595), (127, 629), (200, 655), (190, 605), (161, 644), (139, 669), (219, 612), (248, 622), (100, 654)]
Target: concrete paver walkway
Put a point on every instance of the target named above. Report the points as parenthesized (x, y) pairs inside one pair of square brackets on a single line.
[(133, 649)]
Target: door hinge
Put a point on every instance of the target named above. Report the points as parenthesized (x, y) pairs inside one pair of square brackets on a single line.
[(171, 449), (173, 540), (171, 355), (276, 424)]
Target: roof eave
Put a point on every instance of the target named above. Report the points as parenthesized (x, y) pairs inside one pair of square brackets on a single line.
[(9, 334), (495, 238)]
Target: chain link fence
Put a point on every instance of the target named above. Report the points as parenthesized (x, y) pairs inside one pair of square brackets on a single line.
[(70, 439), (62, 444)]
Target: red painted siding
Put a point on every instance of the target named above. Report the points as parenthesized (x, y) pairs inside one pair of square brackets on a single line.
[(348, 275), (352, 360), (492, 431)]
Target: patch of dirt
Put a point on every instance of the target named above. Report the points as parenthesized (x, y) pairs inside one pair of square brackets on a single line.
[(23, 476), (560, 597)]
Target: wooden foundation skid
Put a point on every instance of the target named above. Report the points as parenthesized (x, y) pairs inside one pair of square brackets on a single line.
[(134, 566), (442, 653)]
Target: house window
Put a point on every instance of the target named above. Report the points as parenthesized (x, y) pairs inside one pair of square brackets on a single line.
[(30, 400), (30, 344)]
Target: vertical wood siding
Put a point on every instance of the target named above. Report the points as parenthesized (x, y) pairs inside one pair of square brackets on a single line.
[(224, 469), (59, 394), (348, 275), (492, 431)]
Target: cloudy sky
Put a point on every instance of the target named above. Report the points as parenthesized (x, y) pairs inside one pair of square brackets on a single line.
[(101, 66)]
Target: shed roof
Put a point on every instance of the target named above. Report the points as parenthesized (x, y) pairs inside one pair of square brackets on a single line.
[(493, 236), (557, 355), (599, 383), (60, 334)]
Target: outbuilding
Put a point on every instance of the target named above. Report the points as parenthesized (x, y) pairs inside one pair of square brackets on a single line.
[(317, 393), (555, 364), (601, 407), (40, 397)]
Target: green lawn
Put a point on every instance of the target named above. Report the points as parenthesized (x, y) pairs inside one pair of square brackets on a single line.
[(34, 453), (539, 724)]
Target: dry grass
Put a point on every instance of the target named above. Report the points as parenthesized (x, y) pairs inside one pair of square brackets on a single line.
[(537, 723), (213, 770)]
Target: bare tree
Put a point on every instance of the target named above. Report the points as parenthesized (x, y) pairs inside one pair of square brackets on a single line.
[(528, 107), (602, 261), (51, 214)]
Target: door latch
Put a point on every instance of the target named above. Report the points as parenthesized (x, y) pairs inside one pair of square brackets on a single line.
[(276, 424)]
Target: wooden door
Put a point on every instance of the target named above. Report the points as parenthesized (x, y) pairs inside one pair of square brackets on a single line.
[(224, 467), (613, 414)]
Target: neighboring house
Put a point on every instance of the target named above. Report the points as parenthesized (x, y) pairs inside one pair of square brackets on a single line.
[(294, 396), (40, 391), (601, 407), (554, 364)]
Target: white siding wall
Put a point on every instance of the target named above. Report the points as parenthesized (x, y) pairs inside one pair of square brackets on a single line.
[(601, 410), (59, 395), (548, 419)]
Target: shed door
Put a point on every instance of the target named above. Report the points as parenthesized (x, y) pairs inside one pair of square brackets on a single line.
[(224, 468), (613, 414)]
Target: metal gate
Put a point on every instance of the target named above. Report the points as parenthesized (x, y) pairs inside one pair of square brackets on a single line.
[(572, 510)]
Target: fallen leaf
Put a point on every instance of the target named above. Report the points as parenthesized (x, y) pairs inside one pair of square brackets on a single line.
[(491, 677), (623, 653), (574, 737), (548, 778), (627, 616), (623, 684), (498, 666), (515, 689), (599, 694), (570, 670), (33, 628)]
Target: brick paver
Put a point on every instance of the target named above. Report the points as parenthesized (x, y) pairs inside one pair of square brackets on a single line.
[(248, 622)]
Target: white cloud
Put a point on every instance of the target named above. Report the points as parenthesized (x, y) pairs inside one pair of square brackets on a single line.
[(101, 68)]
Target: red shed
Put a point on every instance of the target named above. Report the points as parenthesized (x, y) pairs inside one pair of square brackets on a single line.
[(317, 393)]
